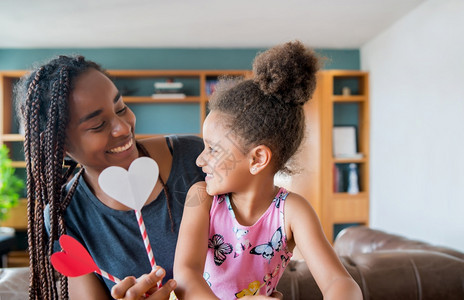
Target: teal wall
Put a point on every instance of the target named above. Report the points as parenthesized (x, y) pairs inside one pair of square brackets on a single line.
[(167, 118), (118, 58)]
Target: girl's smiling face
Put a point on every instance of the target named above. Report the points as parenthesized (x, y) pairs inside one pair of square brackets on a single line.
[(225, 165), (100, 132)]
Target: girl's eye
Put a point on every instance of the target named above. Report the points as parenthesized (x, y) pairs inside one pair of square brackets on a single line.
[(121, 111), (97, 128)]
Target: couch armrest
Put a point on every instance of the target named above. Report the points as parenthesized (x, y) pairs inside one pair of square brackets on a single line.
[(405, 274), (361, 239)]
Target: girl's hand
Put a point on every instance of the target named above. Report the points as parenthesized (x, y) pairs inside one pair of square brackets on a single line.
[(145, 287)]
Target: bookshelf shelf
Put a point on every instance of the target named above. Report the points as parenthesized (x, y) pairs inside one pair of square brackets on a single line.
[(13, 137), (18, 164), (346, 196), (349, 160), (352, 98)]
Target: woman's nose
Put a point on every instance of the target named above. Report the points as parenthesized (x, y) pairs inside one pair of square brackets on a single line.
[(120, 127)]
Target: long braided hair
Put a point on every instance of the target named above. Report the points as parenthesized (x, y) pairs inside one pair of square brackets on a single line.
[(42, 105)]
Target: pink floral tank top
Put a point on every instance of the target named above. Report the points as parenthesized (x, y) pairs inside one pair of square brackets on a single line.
[(246, 260)]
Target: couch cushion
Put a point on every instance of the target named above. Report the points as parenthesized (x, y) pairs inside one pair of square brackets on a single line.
[(14, 283), (409, 274)]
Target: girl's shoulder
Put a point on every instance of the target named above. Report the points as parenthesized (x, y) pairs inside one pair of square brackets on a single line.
[(197, 196), (296, 206), (294, 199)]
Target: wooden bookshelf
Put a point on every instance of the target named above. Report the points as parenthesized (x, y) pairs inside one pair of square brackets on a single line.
[(315, 180)]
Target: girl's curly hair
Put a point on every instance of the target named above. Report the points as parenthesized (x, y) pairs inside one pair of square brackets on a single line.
[(268, 108)]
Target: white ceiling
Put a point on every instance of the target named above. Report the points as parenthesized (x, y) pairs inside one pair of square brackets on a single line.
[(195, 23)]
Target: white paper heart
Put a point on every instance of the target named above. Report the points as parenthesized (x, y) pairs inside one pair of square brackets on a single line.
[(133, 187)]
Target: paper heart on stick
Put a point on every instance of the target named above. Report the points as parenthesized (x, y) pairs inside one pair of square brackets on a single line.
[(133, 187), (74, 260)]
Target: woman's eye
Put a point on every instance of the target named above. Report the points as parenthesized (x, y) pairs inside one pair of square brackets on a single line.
[(96, 128), (121, 111)]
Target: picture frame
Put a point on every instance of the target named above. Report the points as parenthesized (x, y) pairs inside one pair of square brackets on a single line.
[(344, 142)]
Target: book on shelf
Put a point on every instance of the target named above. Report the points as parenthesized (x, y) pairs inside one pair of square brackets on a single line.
[(168, 87), (211, 86), (338, 182), (168, 96)]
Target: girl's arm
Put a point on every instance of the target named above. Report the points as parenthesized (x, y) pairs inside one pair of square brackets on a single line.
[(304, 229), (192, 246)]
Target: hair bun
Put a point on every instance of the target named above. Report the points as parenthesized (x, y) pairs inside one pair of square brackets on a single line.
[(287, 72)]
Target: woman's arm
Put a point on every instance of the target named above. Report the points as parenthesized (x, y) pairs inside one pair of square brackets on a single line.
[(192, 246), (87, 287), (306, 232)]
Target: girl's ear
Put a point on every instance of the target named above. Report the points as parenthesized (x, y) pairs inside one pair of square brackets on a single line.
[(260, 158)]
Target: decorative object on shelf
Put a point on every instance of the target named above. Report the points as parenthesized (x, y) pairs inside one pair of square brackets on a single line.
[(346, 91), (10, 184), (353, 186), (168, 90)]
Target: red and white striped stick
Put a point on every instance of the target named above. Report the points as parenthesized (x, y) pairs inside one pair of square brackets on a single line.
[(146, 241), (108, 275)]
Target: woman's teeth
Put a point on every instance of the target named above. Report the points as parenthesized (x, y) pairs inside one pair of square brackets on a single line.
[(122, 148)]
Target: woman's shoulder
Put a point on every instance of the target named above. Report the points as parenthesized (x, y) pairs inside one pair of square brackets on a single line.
[(185, 141), (177, 142)]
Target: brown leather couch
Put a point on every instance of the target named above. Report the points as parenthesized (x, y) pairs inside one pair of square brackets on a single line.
[(385, 266)]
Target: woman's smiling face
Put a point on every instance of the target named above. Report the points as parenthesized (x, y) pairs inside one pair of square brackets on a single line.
[(100, 132)]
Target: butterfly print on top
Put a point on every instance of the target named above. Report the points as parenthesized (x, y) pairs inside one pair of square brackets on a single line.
[(267, 250), (220, 248), (279, 198)]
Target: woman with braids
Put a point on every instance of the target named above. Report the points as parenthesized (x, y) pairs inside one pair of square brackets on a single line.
[(239, 240), (74, 116)]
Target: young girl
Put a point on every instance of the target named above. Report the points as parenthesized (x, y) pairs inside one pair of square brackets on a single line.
[(238, 230)]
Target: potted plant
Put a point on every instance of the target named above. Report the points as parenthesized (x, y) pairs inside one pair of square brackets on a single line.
[(10, 184)]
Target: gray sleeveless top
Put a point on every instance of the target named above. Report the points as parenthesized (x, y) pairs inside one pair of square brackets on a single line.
[(113, 238)]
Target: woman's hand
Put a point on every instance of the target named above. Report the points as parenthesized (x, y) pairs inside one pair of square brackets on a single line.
[(145, 287)]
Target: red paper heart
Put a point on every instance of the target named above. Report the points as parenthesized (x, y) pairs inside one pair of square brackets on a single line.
[(74, 260)]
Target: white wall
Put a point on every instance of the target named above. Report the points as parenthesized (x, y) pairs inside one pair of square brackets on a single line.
[(417, 124)]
